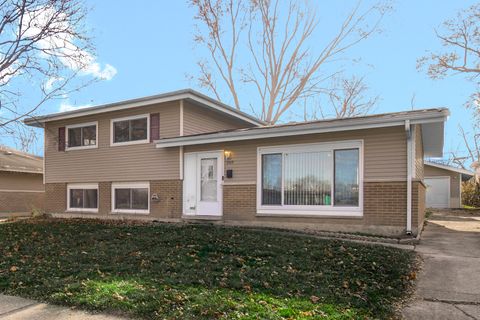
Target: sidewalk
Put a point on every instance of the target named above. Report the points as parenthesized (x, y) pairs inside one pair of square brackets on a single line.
[(16, 308)]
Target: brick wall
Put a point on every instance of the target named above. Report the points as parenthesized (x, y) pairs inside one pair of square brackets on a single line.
[(418, 205), (21, 202), (169, 204), (384, 210)]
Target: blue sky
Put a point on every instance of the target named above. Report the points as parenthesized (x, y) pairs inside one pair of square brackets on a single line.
[(150, 45)]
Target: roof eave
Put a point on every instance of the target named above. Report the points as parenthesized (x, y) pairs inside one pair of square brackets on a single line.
[(134, 103), (343, 125)]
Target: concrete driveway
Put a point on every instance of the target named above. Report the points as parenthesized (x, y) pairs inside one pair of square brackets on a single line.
[(448, 285)]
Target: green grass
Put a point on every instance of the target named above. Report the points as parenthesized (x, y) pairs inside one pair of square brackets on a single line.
[(169, 271)]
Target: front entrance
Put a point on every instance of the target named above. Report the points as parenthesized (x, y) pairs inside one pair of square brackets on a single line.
[(202, 183)]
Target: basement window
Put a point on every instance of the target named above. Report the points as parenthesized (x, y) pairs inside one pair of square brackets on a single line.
[(131, 197), (82, 197)]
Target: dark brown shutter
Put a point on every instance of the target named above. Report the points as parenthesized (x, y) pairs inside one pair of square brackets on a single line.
[(154, 126), (61, 139)]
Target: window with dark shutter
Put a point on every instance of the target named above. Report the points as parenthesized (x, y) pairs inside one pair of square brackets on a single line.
[(154, 126), (61, 139)]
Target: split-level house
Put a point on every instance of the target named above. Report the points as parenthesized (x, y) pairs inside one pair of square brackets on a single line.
[(182, 156)]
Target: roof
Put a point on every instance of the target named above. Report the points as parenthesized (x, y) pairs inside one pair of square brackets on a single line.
[(464, 172), (12, 160), (187, 94), (432, 121)]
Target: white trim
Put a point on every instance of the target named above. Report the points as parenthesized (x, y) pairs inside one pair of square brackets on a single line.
[(460, 190), (44, 155), (33, 191), (293, 130), (82, 186), (449, 184), (449, 168), (180, 151), (409, 133), (81, 125), (326, 210), (129, 185), (146, 101), (126, 143)]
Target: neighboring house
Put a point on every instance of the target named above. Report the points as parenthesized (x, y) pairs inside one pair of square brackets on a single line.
[(444, 185), (21, 182), (184, 156)]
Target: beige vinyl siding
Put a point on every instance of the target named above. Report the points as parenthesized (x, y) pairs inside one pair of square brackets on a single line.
[(454, 182), (197, 119), (21, 181), (114, 163), (419, 174), (385, 155)]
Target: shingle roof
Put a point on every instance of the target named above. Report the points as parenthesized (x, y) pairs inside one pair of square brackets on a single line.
[(17, 161)]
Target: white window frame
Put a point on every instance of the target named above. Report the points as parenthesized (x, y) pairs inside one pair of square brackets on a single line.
[(305, 210), (81, 125), (112, 137), (82, 186), (130, 185)]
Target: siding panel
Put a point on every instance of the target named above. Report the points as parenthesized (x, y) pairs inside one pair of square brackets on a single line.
[(385, 152), (117, 163), (201, 120)]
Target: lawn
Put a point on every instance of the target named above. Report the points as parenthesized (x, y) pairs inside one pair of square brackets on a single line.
[(171, 271)]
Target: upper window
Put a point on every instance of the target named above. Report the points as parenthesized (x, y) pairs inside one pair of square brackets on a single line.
[(82, 136), (130, 130), (310, 179), (130, 197), (82, 197)]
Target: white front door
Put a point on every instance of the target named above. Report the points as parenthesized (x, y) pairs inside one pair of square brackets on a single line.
[(202, 183), (438, 192)]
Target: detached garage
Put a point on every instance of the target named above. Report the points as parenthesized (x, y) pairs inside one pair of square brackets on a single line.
[(444, 185)]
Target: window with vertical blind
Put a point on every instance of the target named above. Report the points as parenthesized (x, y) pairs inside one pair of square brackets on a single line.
[(311, 179)]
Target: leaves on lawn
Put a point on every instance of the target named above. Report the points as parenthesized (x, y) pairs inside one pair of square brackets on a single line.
[(194, 271)]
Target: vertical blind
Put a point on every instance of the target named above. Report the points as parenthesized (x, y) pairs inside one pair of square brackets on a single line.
[(306, 178)]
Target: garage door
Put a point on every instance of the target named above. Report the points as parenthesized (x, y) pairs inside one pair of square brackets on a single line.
[(438, 192)]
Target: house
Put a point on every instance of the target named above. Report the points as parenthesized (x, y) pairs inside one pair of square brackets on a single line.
[(444, 185), (21, 182), (182, 156)]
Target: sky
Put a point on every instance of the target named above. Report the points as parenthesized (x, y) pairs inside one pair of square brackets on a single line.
[(150, 46)]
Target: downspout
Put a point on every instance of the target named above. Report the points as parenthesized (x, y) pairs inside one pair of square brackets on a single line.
[(408, 131)]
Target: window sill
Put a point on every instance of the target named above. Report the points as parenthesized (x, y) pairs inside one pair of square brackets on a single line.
[(81, 148), (81, 211), (332, 213), (128, 143), (130, 212)]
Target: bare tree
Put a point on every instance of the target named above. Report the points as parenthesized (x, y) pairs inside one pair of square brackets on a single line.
[(44, 47), (460, 39), (280, 67)]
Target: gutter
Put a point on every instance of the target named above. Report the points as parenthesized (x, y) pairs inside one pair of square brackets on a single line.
[(292, 130), (409, 132)]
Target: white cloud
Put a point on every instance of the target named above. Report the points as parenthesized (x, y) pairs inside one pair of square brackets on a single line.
[(62, 45), (95, 70), (50, 82), (66, 106)]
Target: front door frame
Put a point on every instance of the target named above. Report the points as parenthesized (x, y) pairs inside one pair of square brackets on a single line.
[(219, 154)]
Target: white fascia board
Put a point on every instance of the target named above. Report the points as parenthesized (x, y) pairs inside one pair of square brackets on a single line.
[(139, 103), (448, 168), (284, 131)]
